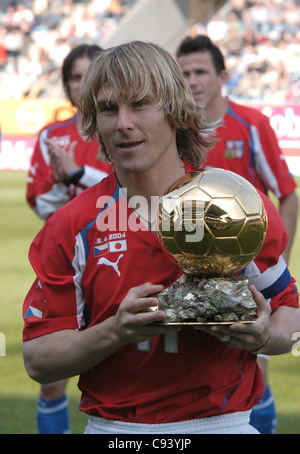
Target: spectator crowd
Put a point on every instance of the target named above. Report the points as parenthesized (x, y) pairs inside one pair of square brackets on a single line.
[(36, 35), (259, 38)]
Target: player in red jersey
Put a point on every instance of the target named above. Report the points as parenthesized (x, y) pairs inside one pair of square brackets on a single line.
[(62, 166), (98, 264), (248, 146)]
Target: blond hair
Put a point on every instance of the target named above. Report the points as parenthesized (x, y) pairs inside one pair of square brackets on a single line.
[(130, 71)]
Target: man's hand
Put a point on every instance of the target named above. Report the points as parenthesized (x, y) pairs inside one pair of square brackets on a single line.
[(247, 336), (63, 161), (137, 314)]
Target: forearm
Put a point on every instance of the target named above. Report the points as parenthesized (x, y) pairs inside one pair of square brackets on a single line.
[(288, 210), (284, 322), (68, 353)]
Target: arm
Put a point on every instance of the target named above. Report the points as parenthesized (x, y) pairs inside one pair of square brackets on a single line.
[(285, 321), (276, 177), (68, 353), (269, 335), (288, 210), (279, 318)]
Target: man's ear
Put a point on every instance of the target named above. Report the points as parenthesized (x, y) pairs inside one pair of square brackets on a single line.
[(223, 77)]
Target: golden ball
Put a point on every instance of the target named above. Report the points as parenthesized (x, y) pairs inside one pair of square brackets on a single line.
[(211, 222)]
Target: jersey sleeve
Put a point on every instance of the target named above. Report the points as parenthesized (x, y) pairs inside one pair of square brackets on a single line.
[(268, 271), (55, 301), (92, 176), (269, 162)]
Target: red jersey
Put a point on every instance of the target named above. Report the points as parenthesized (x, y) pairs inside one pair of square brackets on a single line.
[(44, 194), (83, 284), (248, 146)]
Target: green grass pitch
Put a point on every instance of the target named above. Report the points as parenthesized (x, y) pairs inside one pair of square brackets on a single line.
[(18, 393)]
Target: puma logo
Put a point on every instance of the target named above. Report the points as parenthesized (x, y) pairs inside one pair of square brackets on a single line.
[(104, 261)]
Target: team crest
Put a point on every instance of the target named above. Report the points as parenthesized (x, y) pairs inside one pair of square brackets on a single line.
[(234, 149)]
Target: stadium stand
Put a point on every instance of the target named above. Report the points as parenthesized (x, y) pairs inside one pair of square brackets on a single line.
[(260, 40), (36, 35)]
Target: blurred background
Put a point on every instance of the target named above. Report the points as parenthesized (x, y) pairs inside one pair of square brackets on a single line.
[(260, 40), (261, 43)]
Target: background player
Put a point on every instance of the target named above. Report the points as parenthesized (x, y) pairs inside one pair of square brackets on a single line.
[(63, 165), (93, 330), (248, 146)]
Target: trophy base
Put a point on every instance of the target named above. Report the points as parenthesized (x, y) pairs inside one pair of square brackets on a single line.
[(195, 300)]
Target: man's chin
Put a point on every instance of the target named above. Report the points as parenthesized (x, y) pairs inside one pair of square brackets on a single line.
[(199, 99)]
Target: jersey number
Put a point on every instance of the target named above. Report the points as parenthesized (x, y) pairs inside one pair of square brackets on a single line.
[(170, 343)]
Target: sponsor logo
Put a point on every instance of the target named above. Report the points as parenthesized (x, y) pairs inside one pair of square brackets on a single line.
[(114, 265)]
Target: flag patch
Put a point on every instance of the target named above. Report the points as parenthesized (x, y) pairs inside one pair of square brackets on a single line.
[(117, 246), (101, 249), (33, 312), (110, 246)]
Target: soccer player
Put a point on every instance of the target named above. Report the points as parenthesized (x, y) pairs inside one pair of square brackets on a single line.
[(99, 265), (62, 166), (248, 146)]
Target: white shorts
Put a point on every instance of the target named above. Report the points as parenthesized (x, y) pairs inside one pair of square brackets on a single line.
[(233, 423)]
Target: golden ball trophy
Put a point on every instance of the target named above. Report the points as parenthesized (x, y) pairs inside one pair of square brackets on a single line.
[(211, 223)]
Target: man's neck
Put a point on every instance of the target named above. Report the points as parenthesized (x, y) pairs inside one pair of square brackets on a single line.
[(216, 111), (150, 186), (152, 182)]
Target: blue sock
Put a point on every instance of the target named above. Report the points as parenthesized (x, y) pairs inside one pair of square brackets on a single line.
[(53, 416), (263, 415)]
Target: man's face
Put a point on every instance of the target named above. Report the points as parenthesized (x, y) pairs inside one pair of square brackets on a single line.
[(136, 135), (200, 73), (79, 68)]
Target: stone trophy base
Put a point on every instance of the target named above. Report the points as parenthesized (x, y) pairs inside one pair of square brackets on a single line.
[(208, 300)]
